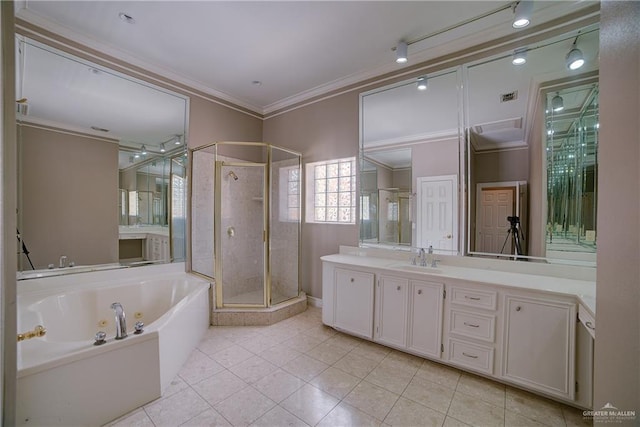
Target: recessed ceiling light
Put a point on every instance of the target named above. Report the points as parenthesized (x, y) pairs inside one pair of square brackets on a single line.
[(256, 83), (126, 18)]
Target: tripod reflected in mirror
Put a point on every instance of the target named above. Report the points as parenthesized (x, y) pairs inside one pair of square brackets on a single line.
[(515, 234)]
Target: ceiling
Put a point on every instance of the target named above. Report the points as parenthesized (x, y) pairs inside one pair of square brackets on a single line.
[(294, 49)]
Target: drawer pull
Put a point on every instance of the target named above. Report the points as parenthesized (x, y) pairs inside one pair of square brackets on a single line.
[(590, 326), (471, 325), (352, 280), (419, 291), (469, 355), (472, 298)]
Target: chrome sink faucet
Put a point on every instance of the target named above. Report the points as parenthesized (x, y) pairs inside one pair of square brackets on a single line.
[(121, 321), (63, 261), (423, 258)]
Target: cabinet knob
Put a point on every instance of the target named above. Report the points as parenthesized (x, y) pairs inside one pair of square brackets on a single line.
[(398, 288), (352, 280), (518, 308), (419, 291)]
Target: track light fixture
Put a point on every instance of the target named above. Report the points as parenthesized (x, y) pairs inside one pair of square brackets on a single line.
[(519, 57), (143, 150), (574, 58), (522, 14), (557, 103), (162, 148), (422, 83), (401, 52), (176, 141)]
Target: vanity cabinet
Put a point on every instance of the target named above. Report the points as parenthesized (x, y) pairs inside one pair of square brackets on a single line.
[(539, 343), (409, 315), (157, 248), (353, 301)]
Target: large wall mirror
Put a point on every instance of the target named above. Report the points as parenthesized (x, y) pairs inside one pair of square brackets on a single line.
[(529, 171), (410, 164), (102, 176), (531, 164)]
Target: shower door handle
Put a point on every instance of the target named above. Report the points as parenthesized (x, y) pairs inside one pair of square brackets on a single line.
[(264, 235)]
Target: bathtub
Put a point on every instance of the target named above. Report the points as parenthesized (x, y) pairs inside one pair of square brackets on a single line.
[(64, 379)]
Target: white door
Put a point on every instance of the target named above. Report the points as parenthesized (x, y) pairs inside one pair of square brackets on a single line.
[(495, 205), (437, 212)]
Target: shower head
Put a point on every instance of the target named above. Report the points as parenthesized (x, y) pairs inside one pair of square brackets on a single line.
[(233, 175)]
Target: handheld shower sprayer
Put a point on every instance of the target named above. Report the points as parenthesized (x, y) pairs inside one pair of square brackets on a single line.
[(233, 175)]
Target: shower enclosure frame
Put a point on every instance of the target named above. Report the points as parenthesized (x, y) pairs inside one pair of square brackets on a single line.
[(268, 207)]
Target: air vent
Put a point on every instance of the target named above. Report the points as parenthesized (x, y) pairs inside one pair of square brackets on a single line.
[(511, 96), (99, 129)]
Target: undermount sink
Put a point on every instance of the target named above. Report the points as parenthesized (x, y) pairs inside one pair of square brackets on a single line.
[(416, 268)]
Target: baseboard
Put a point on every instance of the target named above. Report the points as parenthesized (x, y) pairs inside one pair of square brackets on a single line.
[(314, 302)]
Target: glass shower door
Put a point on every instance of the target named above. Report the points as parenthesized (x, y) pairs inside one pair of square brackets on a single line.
[(240, 264)]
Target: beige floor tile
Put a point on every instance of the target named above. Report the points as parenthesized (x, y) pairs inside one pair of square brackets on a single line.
[(345, 415), (335, 382), (409, 413), (214, 344), (452, 422), (432, 395), (217, 388), (256, 345), (177, 384), (231, 356), (198, 367), (280, 354), (305, 367), (302, 342), (346, 341), (440, 374), (278, 385), (177, 408), (403, 361), (371, 399), (321, 332), (475, 412), (482, 388), (356, 365), (373, 351), (327, 353), (279, 416), (253, 369), (574, 417), (511, 419), (310, 404), (244, 407), (137, 418), (210, 417), (389, 377), (534, 407)]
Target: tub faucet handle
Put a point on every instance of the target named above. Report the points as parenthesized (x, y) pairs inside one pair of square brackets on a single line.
[(139, 327), (100, 338)]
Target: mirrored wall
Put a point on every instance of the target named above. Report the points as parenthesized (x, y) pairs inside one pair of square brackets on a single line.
[(102, 177), (521, 194)]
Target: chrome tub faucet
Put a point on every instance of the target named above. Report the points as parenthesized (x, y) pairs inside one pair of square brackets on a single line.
[(121, 321)]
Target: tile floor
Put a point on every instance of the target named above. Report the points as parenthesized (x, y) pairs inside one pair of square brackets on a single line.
[(301, 373)]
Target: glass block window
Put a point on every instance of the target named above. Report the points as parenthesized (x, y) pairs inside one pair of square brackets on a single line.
[(331, 191), (289, 197)]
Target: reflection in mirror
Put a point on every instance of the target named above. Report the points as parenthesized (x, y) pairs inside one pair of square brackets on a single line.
[(410, 146), (506, 136), (572, 163), (96, 184)]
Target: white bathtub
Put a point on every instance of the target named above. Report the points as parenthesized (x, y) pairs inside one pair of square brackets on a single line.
[(64, 379)]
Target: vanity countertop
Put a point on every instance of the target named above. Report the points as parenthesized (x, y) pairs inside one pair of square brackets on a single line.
[(583, 290)]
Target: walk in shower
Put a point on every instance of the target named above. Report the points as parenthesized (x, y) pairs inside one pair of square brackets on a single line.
[(245, 222)]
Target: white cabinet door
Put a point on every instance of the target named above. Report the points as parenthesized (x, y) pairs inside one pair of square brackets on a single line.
[(353, 302), (425, 318), (539, 344), (391, 317)]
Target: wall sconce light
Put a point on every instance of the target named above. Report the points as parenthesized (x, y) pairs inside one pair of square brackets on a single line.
[(519, 57), (557, 103), (422, 83), (574, 58), (522, 13)]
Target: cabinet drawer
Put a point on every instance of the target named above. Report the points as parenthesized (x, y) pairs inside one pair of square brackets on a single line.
[(474, 298), (472, 356), (472, 325), (587, 320)]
